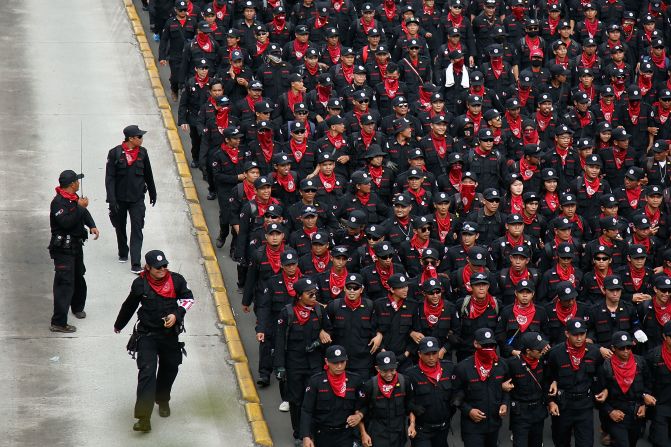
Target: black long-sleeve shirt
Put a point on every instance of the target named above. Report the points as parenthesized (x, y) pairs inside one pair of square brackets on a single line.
[(125, 183)]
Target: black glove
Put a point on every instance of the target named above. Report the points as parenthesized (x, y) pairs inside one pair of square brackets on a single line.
[(152, 200), (312, 346), (281, 374)]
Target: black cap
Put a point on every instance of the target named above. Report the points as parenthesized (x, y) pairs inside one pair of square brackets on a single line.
[(566, 291), (232, 132), (274, 210), (549, 174), (155, 259), (249, 164), (654, 190), (561, 223), (491, 194), (608, 223), (335, 354), (567, 199), (133, 131), (521, 250), (356, 219), (402, 199), (289, 257), (612, 282), (621, 339), (641, 221), (320, 237), (274, 228), (636, 251), (431, 284), (309, 211), (469, 227), (383, 249), (525, 284), (530, 196), (68, 176), (340, 251), (634, 173), (484, 336), (386, 361), (376, 231), (663, 282), (305, 284), (533, 341), (513, 219), (660, 146), (576, 326), (261, 182), (608, 201), (354, 278), (479, 278), (477, 255), (565, 250), (398, 280), (428, 344)]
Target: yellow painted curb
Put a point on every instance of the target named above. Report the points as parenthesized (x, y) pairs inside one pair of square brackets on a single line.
[(246, 382), (253, 409)]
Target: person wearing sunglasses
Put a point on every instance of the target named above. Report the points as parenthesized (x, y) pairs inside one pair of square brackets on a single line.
[(351, 315), (411, 251), (178, 30), (656, 312), (593, 283), (128, 175), (609, 227), (365, 254), (518, 270), (502, 247), (302, 329), (659, 364), (435, 316), (301, 151), (158, 330), (626, 379)]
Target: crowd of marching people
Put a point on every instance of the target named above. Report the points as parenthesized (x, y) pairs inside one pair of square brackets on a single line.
[(441, 206)]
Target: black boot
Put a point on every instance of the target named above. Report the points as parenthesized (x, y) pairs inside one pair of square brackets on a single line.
[(142, 425), (221, 240), (164, 409)]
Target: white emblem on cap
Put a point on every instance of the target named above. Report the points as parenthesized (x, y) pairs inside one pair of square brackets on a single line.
[(539, 338), (290, 256), (495, 193), (567, 249), (159, 258), (550, 173), (567, 290), (352, 219), (577, 324), (478, 256), (338, 352), (644, 220), (386, 360), (616, 281), (667, 281), (402, 279), (429, 344), (624, 338), (639, 250), (488, 334), (307, 281)]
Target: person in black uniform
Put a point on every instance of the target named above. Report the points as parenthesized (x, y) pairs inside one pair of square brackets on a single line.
[(626, 378), (431, 393), (384, 401), (302, 328), (659, 364), (570, 372), (68, 219), (479, 392), (128, 176), (527, 398), (328, 415), (164, 298)]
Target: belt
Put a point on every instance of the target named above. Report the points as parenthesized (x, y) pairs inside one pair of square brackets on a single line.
[(434, 426), (530, 403), (576, 395), (320, 429)]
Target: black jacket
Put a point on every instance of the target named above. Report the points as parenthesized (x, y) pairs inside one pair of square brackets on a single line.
[(126, 183)]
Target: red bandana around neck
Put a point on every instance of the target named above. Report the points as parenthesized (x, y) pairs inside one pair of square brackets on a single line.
[(131, 154), (516, 277), (298, 149), (524, 315), (592, 186), (267, 144), (563, 315), (363, 197), (666, 356), (527, 170), (204, 42), (329, 182), (432, 373), (484, 360), (300, 48), (633, 195), (591, 27), (624, 372), (274, 257), (497, 66), (293, 99), (444, 225), (478, 308), (289, 281), (321, 263), (384, 273), (249, 190), (163, 287), (232, 152), (287, 182), (386, 388), (72, 196), (302, 313), (439, 144), (433, 313), (375, 174), (337, 283), (391, 87), (467, 193), (576, 355), (396, 305), (662, 313)]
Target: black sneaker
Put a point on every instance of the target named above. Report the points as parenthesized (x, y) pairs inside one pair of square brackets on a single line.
[(211, 195), (143, 425), (81, 315), (220, 241), (68, 328), (263, 381), (194, 164), (164, 409), (136, 269), (123, 259)]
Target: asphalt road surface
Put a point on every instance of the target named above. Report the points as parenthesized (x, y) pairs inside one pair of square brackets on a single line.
[(278, 422), (68, 65)]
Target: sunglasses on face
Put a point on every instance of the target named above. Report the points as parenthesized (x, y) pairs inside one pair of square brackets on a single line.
[(312, 294), (434, 292), (601, 258), (298, 132), (384, 258), (429, 262), (424, 229), (353, 287), (624, 348), (363, 101), (301, 113), (372, 238), (309, 191), (161, 267)]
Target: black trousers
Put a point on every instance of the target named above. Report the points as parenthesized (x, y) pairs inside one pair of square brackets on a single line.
[(660, 429), (136, 212), (431, 438), (175, 67), (224, 198), (580, 423), (490, 439), (334, 438), (156, 351), (69, 284), (195, 143), (295, 391), (526, 425), (625, 433)]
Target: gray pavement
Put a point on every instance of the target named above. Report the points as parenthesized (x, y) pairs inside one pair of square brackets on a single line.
[(66, 64), (278, 422)]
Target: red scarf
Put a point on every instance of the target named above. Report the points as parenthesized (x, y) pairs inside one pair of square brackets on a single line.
[(567, 274), (329, 183), (352, 305), (552, 200), (348, 73), (620, 155), (312, 70), (527, 170), (516, 204), (367, 138), (533, 363), (666, 356), (337, 4), (476, 120), (251, 102), (439, 144), (456, 20), (637, 276), (455, 176), (320, 22), (599, 277), (300, 48), (659, 61), (516, 277), (321, 263), (262, 207), (286, 182), (432, 313), (338, 141), (524, 315), (531, 136), (590, 91), (67, 195), (274, 257), (391, 87), (363, 197), (542, 120), (396, 305), (592, 186), (163, 287), (261, 47), (663, 114), (585, 118), (645, 84), (298, 149), (476, 308), (289, 281), (279, 21), (653, 217), (384, 273), (219, 11), (484, 360), (302, 313), (221, 118), (552, 23), (425, 99), (334, 53), (337, 282), (533, 43), (367, 26), (386, 388), (591, 27), (624, 373), (375, 174), (607, 110), (433, 373), (634, 110), (633, 195), (418, 195), (389, 10), (428, 272), (515, 124), (249, 190), (467, 196), (204, 42), (232, 152), (575, 355), (131, 154), (202, 82), (444, 225), (497, 66), (563, 315), (523, 94), (293, 99), (417, 244), (528, 220), (267, 144), (562, 152)]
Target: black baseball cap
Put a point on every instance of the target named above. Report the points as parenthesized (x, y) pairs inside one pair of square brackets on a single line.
[(335, 354), (155, 259), (68, 176), (133, 131)]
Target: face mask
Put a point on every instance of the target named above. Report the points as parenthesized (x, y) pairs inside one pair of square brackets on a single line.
[(532, 33), (536, 63)]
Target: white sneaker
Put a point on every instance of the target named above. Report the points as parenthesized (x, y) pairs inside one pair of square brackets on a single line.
[(284, 406)]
